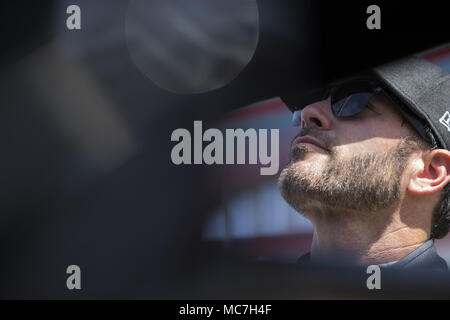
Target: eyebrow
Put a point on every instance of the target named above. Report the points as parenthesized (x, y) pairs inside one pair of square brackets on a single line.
[(371, 107)]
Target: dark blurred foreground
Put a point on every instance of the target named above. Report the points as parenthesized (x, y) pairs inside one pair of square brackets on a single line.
[(245, 281)]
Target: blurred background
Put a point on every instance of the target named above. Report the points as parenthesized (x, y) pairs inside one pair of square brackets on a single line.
[(85, 123)]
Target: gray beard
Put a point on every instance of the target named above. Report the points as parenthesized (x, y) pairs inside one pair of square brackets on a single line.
[(367, 182)]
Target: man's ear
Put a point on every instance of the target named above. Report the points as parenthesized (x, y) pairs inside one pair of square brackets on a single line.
[(433, 173)]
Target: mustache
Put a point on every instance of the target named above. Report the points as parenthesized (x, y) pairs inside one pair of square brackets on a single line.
[(326, 141)]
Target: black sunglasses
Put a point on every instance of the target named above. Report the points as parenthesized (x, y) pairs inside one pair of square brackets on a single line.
[(350, 98)]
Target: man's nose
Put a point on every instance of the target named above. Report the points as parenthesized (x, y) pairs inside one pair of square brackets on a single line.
[(317, 115)]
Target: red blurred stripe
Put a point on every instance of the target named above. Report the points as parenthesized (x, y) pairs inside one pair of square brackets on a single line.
[(254, 110), (438, 54)]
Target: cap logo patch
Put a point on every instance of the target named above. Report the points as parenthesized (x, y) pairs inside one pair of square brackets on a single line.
[(445, 120)]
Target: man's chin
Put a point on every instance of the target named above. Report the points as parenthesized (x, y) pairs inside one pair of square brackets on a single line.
[(309, 160), (288, 187), (297, 153)]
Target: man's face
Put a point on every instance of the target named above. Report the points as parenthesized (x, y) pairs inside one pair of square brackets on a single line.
[(348, 164)]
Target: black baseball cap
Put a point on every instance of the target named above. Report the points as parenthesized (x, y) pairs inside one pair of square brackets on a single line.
[(424, 88), (420, 89)]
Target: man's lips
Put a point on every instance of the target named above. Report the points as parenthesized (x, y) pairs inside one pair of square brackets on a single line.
[(311, 141)]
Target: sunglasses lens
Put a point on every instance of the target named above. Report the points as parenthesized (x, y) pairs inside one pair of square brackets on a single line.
[(351, 105), (297, 118), (344, 108)]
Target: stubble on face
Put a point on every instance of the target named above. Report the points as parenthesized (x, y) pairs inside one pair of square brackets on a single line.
[(365, 182)]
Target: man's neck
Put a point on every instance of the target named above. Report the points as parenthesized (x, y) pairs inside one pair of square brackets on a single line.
[(365, 239)]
